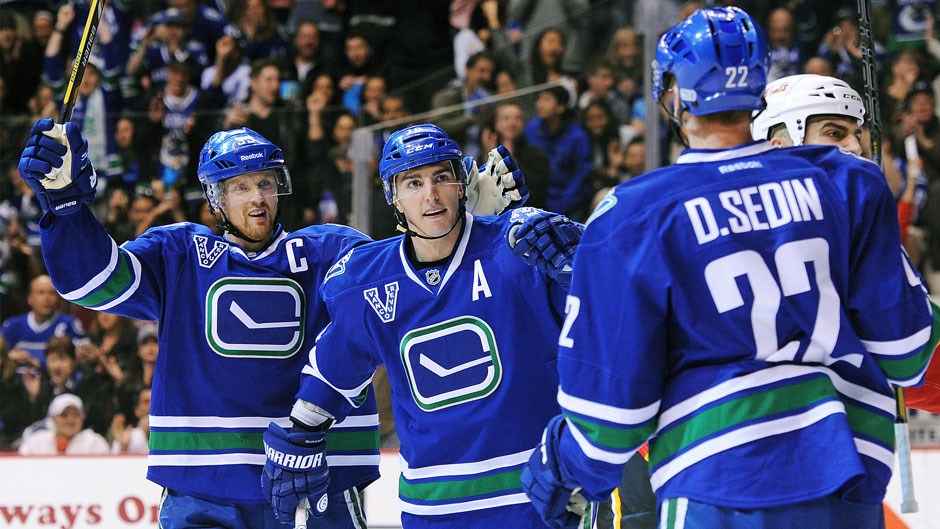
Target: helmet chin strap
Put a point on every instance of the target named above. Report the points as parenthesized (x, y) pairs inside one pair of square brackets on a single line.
[(404, 228), (675, 124)]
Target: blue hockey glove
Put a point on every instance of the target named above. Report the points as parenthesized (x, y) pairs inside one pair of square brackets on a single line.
[(545, 240), (295, 469), (55, 164), (497, 186), (550, 487)]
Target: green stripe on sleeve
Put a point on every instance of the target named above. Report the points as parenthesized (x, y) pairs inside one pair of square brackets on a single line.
[(908, 367), (613, 438), (120, 279)]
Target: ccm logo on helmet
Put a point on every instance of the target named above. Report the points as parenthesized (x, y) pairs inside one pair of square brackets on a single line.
[(415, 148), (247, 157)]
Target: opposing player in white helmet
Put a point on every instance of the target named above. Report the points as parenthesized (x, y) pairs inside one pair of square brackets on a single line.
[(812, 110)]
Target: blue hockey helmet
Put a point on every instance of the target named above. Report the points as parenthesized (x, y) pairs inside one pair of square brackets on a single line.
[(718, 58), (415, 146), (236, 152)]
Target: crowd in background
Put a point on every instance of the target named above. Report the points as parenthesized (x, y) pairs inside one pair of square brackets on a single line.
[(305, 74)]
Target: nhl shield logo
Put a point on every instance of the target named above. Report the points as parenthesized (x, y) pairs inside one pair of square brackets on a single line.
[(432, 276)]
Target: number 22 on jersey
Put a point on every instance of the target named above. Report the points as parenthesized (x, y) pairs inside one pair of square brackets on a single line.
[(791, 260)]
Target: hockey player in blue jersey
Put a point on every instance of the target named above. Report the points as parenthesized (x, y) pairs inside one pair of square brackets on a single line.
[(746, 310), (234, 311), (466, 331)]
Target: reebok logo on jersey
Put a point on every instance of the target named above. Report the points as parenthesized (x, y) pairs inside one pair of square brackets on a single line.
[(247, 157), (292, 461)]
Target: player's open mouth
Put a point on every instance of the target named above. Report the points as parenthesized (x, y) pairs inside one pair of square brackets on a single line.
[(435, 212), (258, 213)]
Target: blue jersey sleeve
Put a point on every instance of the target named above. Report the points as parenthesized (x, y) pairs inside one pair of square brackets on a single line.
[(89, 269), (338, 375), (887, 304), (340, 366), (616, 279)]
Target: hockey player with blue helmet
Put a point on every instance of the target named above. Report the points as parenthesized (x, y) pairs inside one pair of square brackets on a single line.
[(748, 321), (259, 167), (237, 314), (465, 329)]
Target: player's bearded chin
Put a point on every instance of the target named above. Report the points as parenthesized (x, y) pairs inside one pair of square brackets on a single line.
[(257, 220)]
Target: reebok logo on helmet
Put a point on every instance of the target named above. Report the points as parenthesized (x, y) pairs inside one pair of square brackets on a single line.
[(247, 157)]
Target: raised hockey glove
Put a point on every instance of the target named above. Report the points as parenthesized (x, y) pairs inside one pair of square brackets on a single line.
[(295, 469), (551, 488), (497, 186), (55, 164), (546, 241)]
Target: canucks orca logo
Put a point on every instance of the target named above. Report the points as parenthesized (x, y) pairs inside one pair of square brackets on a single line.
[(607, 204), (206, 257), (451, 362), (255, 317), (339, 268)]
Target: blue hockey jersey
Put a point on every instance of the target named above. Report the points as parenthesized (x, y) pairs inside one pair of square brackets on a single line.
[(746, 309), (470, 352), (24, 332), (235, 329)]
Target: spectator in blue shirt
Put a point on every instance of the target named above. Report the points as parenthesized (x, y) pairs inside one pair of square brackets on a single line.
[(568, 148)]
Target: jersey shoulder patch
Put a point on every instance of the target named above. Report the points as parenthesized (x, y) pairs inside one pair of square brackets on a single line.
[(339, 268)]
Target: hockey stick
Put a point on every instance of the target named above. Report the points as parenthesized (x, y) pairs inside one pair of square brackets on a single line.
[(300, 514), (902, 434), (81, 59), (870, 76), (57, 133)]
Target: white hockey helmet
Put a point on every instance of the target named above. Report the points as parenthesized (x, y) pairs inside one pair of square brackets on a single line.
[(792, 100)]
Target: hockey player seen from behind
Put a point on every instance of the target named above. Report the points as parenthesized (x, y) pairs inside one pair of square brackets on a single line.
[(467, 333), (237, 314), (749, 323), (818, 110)]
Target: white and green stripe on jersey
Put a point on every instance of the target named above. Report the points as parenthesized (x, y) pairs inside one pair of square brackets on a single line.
[(904, 361), (462, 487), (210, 441), (775, 400), (111, 286)]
